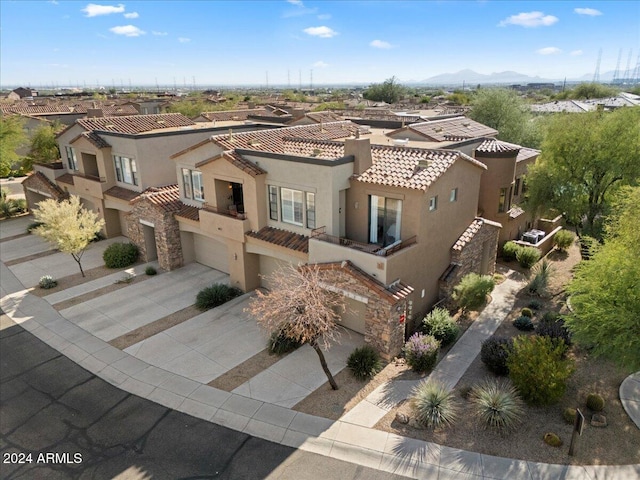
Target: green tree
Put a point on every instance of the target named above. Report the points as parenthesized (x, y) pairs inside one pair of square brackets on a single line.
[(67, 225), (605, 292), (585, 157), (586, 91), (505, 111), (299, 307), (12, 137), (44, 148), (389, 91)]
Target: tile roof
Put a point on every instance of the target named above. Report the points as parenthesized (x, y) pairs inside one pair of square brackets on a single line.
[(121, 193), (492, 146), (282, 238), (65, 178), (471, 231), (515, 212), (392, 293), (238, 161), (326, 116), (27, 109), (42, 177), (189, 212), (453, 128), (167, 197), (227, 115), (94, 138), (415, 168), (325, 149), (135, 123)]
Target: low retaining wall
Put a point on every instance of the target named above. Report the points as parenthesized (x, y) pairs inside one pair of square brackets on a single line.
[(545, 245)]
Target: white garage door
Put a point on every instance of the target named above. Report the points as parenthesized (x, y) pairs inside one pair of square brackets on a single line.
[(211, 253), (268, 265), (354, 315)]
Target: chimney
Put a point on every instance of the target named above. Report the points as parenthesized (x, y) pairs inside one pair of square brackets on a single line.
[(360, 148), (297, 113), (94, 112)]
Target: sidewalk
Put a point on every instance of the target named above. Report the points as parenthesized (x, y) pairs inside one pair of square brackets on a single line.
[(341, 440)]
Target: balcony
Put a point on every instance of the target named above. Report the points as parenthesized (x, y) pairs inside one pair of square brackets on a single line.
[(89, 184), (216, 221), (373, 249)]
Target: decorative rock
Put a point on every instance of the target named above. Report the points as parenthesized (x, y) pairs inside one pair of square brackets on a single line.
[(402, 418), (413, 423), (598, 420)]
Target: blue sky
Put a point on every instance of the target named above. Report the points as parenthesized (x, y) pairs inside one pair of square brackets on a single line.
[(238, 42)]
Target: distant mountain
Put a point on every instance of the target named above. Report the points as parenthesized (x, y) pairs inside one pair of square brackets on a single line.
[(470, 77)]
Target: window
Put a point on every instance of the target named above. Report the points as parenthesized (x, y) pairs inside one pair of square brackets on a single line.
[(384, 220), (186, 183), (273, 202), (453, 196), (291, 204), (198, 188), (126, 170), (433, 203), (516, 190), (72, 161), (502, 203), (311, 210)]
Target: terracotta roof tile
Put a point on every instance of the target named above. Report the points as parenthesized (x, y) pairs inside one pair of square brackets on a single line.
[(135, 123), (471, 231), (326, 116), (227, 115), (282, 238), (121, 193), (454, 128), (41, 176), (405, 167), (493, 146), (189, 212), (167, 198), (94, 138), (65, 178), (313, 148)]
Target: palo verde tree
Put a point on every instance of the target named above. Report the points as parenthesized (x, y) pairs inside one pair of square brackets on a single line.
[(12, 137), (605, 292), (301, 308), (585, 158), (389, 91), (67, 225), (44, 148)]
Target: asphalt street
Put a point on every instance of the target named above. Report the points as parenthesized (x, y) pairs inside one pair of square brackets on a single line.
[(58, 421)]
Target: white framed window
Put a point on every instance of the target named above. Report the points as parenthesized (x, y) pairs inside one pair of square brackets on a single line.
[(72, 160), (126, 170), (385, 215), (453, 196), (192, 184), (311, 210), (433, 203), (186, 183), (291, 206), (273, 202)]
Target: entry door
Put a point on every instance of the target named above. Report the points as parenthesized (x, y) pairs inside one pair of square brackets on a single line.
[(150, 242)]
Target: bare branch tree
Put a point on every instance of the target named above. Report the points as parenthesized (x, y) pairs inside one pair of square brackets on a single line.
[(301, 307)]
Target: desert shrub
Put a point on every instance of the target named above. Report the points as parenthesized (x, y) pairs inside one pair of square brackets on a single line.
[(47, 282), (364, 362), (472, 290), (421, 352), (563, 240), (569, 415), (497, 405), (433, 405), (595, 402), (534, 304), (526, 312), (98, 236), (494, 353), (509, 251), (215, 295), (439, 323), (554, 329), (523, 323), (550, 316), (539, 280), (527, 256), (279, 343), (588, 247), (552, 439), (120, 255), (539, 369), (32, 226), (150, 270)]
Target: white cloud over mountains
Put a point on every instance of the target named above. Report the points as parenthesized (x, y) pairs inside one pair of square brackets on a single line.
[(529, 20)]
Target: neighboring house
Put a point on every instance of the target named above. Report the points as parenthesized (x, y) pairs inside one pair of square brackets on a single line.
[(230, 115), (443, 130), (20, 93)]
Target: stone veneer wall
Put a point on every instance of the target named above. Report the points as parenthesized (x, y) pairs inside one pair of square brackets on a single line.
[(37, 182), (383, 331), (166, 229), (469, 258)]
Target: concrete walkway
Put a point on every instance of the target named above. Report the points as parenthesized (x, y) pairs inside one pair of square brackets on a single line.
[(630, 396), (451, 368), (340, 439)]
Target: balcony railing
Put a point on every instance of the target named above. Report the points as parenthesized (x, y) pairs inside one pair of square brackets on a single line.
[(371, 248), (223, 211), (95, 178)]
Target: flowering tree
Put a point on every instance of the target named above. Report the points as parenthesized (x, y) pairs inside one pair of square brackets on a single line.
[(67, 225), (301, 308)]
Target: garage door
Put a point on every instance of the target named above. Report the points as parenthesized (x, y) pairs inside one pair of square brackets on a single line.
[(268, 265), (211, 253), (354, 315)]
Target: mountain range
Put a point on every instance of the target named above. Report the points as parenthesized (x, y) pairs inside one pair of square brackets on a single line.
[(471, 77)]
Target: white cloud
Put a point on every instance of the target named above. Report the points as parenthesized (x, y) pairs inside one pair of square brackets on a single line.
[(322, 32), (93, 10), (380, 44), (324, 16), (53, 2), (159, 34), (592, 12), (549, 51), (127, 31), (296, 2), (131, 15), (575, 53), (529, 19), (320, 64), (184, 39)]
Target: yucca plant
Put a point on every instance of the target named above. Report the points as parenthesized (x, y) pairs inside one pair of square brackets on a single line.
[(433, 405), (497, 405)]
